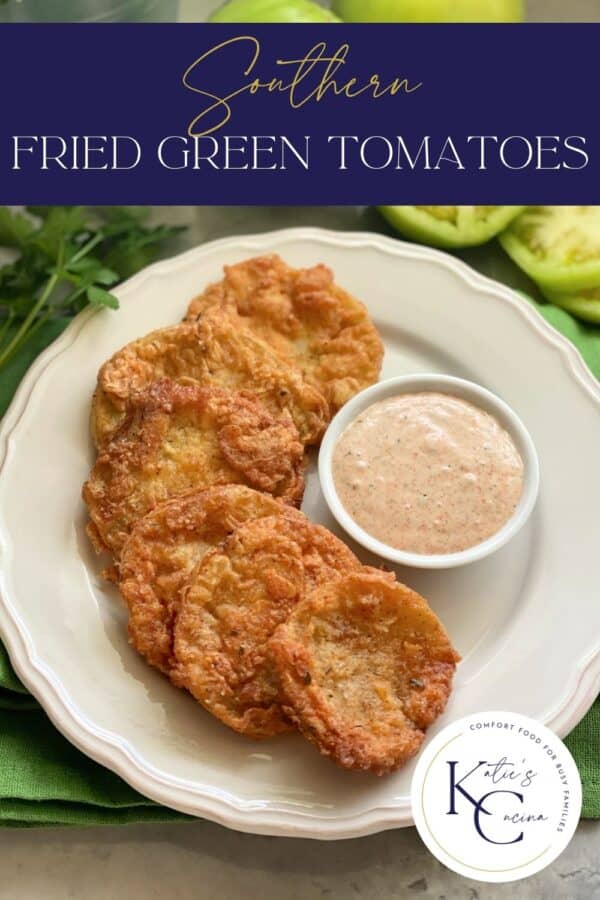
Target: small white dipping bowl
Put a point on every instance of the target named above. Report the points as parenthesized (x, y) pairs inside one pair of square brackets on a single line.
[(443, 384)]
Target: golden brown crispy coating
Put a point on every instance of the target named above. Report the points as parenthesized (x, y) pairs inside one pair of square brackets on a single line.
[(306, 317), (236, 597), (217, 350), (162, 550), (364, 667), (182, 436)]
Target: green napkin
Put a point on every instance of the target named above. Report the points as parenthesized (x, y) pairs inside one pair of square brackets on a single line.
[(46, 781)]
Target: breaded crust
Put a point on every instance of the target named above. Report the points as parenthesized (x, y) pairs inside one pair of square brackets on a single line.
[(364, 667), (182, 436), (236, 597), (164, 547), (305, 316), (216, 350)]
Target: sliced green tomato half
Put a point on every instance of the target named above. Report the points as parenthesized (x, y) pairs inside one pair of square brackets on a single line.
[(290, 11), (429, 10), (450, 226), (583, 305), (557, 246)]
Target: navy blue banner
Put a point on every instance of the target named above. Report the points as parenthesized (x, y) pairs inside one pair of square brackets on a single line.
[(206, 114)]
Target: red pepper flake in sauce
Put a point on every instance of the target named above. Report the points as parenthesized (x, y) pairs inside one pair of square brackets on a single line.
[(427, 473)]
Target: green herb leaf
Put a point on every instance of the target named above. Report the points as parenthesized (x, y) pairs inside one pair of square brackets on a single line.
[(105, 276), (124, 213), (100, 297), (15, 227), (69, 256)]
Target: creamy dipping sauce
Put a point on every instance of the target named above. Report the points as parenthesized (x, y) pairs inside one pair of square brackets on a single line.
[(427, 473)]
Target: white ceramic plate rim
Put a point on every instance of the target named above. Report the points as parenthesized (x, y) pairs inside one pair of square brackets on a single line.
[(114, 753), (459, 387)]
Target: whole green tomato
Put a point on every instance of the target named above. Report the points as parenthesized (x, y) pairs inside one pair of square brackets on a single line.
[(429, 10), (272, 11)]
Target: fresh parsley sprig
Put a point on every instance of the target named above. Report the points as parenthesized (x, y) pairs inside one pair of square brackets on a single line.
[(69, 257)]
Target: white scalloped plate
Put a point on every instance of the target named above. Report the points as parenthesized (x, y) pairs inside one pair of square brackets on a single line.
[(526, 620)]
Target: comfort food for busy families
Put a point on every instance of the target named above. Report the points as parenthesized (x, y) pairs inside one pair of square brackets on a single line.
[(427, 473), (306, 317), (164, 547), (216, 350), (267, 619), (235, 598), (364, 668), (182, 436)]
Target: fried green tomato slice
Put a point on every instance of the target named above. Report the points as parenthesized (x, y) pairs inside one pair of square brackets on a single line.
[(557, 246), (235, 599), (182, 436), (164, 547), (306, 317), (216, 350), (450, 227), (364, 667)]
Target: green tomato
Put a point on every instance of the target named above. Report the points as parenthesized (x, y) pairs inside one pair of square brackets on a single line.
[(429, 10), (583, 305), (557, 246), (272, 11), (450, 226)]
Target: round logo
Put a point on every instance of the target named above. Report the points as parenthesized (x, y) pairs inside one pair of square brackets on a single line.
[(496, 796)]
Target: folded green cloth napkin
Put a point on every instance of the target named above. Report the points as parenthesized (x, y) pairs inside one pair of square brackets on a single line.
[(46, 781)]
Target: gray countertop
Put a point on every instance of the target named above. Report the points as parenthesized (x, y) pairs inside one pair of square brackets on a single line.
[(200, 860), (206, 862)]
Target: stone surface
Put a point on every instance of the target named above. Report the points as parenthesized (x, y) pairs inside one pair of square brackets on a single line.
[(200, 861)]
